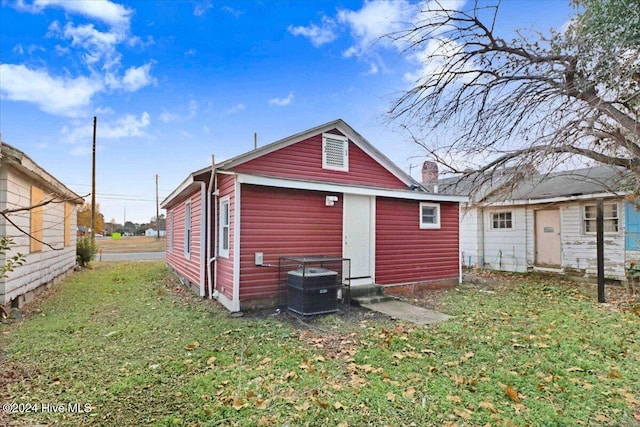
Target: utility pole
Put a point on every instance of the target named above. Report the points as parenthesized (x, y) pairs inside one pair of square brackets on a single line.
[(93, 183), (600, 248), (157, 212)]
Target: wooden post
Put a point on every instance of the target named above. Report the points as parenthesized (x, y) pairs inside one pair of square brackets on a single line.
[(157, 212), (600, 248), (93, 183)]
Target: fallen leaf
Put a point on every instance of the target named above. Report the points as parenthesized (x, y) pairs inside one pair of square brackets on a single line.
[(192, 346), (262, 404), (319, 358), (456, 399), (391, 397), (512, 393), (466, 356), (211, 360), (238, 404), (575, 369), (343, 424), (463, 413), (409, 393), (487, 405), (303, 407), (338, 406), (614, 374)]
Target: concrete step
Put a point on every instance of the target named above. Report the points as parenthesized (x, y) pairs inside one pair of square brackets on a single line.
[(374, 299), (366, 291)]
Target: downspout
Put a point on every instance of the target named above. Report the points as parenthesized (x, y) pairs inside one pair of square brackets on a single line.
[(203, 238), (460, 260), (212, 191), (481, 260)]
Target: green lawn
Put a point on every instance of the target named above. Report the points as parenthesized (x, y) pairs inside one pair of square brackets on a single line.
[(121, 339)]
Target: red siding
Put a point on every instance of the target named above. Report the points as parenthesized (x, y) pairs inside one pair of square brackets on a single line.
[(405, 253), (189, 268), (281, 222), (226, 187), (303, 160)]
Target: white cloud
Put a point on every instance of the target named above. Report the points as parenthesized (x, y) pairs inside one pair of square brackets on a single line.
[(434, 58), (104, 111), (235, 109), (235, 12), (375, 20), (190, 52), (282, 102), (318, 35), (191, 112), (201, 8), (63, 96), (18, 49), (106, 11), (128, 126), (98, 46), (137, 77)]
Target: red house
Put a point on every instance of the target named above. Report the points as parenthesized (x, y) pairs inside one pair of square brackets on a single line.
[(324, 191)]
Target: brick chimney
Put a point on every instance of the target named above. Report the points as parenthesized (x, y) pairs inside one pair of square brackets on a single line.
[(430, 176)]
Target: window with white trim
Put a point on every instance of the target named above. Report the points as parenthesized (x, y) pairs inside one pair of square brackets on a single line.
[(187, 229), (429, 215), (610, 218), (225, 220), (501, 220), (170, 231), (335, 152)]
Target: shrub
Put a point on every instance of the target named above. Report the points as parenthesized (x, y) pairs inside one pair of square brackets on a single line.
[(86, 251)]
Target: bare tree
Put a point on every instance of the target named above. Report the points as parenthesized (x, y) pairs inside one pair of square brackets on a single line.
[(533, 101)]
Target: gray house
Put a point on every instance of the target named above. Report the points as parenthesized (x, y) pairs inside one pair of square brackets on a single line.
[(548, 222), (41, 221)]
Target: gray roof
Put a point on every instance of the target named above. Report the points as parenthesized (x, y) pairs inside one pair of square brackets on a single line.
[(532, 186)]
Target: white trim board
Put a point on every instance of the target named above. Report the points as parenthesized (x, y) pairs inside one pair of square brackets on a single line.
[(348, 189)]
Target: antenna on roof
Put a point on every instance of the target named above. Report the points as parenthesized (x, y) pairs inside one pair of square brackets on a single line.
[(255, 140)]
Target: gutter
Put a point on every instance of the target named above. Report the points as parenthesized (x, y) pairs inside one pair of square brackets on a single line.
[(213, 183)]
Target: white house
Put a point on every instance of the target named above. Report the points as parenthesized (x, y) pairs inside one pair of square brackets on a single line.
[(152, 232), (548, 223), (40, 218)]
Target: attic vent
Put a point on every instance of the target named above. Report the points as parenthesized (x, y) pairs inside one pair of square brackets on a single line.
[(335, 152)]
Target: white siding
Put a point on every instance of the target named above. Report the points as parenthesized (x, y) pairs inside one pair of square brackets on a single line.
[(579, 248), (40, 267), (469, 236), (505, 249)]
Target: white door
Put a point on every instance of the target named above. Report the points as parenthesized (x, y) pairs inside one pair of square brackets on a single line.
[(357, 234), (548, 241)]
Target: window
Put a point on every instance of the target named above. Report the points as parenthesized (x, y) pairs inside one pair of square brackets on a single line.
[(36, 220), (170, 231), (429, 215), (224, 228), (500, 220), (335, 152), (187, 229), (610, 218)]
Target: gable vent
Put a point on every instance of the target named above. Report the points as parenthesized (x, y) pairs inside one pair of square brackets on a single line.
[(335, 152)]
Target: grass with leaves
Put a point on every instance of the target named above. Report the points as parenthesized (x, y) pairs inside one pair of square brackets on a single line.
[(122, 338)]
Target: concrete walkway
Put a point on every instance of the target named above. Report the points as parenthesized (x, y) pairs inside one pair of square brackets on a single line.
[(411, 313)]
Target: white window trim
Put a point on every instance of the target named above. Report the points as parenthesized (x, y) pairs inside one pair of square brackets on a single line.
[(170, 231), (435, 225), (584, 218), (222, 252), (188, 230), (491, 214), (345, 142)]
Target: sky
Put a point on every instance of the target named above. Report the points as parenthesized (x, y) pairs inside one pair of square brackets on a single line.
[(174, 82)]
